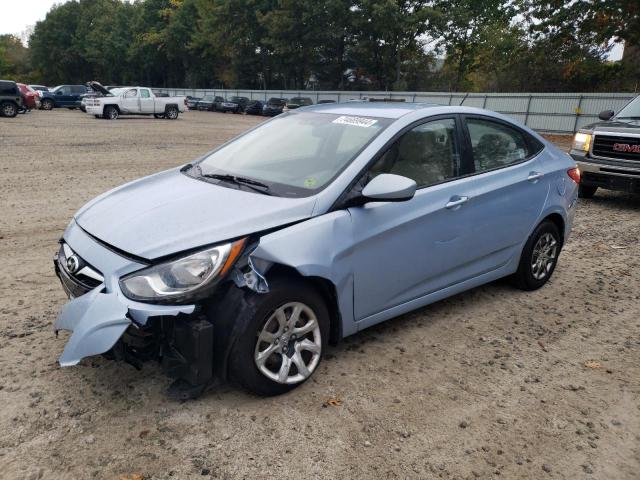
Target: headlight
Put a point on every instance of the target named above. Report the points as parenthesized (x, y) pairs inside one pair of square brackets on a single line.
[(175, 280), (582, 141)]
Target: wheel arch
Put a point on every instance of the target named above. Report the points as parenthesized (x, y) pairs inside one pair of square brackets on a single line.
[(559, 221), (324, 287)]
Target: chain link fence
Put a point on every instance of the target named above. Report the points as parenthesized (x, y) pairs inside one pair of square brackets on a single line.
[(562, 113)]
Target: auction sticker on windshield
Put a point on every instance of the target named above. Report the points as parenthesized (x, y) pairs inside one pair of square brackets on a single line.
[(355, 121)]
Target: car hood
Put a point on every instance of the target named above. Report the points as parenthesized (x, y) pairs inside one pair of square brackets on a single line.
[(621, 125), (98, 88), (170, 212)]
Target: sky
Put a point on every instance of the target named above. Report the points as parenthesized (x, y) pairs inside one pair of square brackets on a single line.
[(17, 15)]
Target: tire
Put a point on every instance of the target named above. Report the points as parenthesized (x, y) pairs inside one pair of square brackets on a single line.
[(586, 191), (47, 105), (97, 116), (257, 313), (171, 113), (158, 115), (539, 257), (110, 113), (8, 109)]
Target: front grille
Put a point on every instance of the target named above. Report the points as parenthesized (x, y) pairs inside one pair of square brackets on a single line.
[(624, 148), (79, 279)]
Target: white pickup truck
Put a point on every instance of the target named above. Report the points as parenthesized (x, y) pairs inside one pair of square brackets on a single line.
[(132, 101)]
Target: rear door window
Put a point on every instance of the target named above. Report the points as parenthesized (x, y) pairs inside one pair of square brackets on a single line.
[(144, 93), (497, 145)]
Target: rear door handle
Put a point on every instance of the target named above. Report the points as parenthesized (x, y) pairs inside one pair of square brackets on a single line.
[(456, 201), (535, 176)]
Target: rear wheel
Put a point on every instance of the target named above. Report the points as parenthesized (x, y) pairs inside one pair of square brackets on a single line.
[(586, 191), (110, 112), (171, 113), (9, 109), (539, 257), (283, 340)]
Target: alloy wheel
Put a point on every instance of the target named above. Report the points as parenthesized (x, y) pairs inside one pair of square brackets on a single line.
[(289, 345), (544, 256)]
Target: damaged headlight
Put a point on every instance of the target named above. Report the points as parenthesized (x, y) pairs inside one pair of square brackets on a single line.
[(171, 281)]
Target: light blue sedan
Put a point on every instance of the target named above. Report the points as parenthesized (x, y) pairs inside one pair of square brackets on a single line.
[(315, 225)]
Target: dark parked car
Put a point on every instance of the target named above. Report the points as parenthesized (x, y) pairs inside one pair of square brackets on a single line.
[(206, 103), (234, 104), (254, 107), (192, 102), (297, 102), (10, 98), (326, 101), (274, 106), (217, 103), (68, 96)]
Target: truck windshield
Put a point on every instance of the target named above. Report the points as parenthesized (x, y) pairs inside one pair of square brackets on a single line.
[(296, 154), (631, 111)]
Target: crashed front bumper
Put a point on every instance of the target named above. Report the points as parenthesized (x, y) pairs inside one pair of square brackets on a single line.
[(98, 317)]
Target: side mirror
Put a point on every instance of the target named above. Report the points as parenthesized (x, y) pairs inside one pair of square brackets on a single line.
[(606, 114), (387, 187)]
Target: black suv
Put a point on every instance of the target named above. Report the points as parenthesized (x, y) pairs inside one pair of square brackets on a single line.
[(10, 98)]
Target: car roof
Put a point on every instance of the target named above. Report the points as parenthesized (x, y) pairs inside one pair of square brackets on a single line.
[(370, 109)]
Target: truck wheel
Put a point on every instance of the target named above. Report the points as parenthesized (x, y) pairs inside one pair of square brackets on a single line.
[(47, 105), (171, 113), (97, 116), (586, 191), (9, 109), (285, 333), (110, 112), (158, 115)]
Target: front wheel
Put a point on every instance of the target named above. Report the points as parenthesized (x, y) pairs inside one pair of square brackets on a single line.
[(171, 113), (110, 112), (46, 105), (586, 191), (283, 340), (539, 257)]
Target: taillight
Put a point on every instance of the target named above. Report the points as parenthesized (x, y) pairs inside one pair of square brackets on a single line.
[(574, 173)]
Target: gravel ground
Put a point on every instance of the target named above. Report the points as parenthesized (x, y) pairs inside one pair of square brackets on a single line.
[(492, 382)]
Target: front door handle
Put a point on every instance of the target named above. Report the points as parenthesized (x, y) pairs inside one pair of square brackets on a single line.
[(456, 201), (535, 176)]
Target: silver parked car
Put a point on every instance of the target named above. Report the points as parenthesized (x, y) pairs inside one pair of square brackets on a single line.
[(249, 261)]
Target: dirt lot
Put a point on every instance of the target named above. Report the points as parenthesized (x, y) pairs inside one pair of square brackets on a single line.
[(493, 382)]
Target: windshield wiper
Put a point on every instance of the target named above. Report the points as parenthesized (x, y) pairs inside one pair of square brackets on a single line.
[(627, 118), (253, 184)]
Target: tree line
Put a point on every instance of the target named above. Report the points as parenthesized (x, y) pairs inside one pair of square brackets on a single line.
[(452, 45)]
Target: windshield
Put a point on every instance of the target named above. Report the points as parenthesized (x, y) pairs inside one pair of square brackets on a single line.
[(116, 91), (295, 154), (630, 111)]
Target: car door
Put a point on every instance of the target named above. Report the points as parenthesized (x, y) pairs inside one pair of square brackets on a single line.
[(403, 251), (130, 101), (146, 101), (509, 189), (63, 96)]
